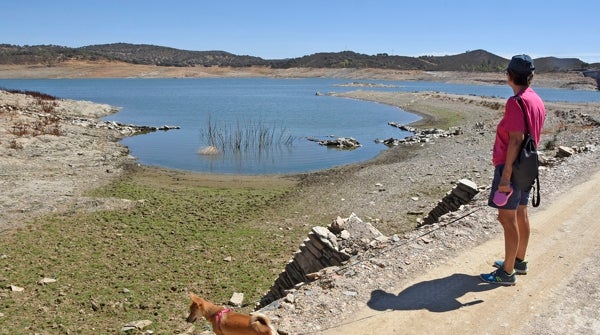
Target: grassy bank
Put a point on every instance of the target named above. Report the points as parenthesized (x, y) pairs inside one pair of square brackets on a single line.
[(184, 233)]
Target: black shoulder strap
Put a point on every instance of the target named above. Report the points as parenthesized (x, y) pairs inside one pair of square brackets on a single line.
[(520, 101)]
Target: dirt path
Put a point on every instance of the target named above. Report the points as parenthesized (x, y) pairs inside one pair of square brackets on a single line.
[(450, 299)]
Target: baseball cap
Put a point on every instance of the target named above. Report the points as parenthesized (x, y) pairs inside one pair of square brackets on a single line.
[(522, 64)]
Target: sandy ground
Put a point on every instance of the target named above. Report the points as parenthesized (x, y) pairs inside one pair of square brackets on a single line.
[(437, 291)]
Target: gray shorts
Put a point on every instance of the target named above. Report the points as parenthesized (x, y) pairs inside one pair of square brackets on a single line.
[(517, 198)]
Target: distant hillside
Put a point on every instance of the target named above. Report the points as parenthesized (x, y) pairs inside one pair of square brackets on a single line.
[(553, 64), (349, 59), (41, 54), (478, 60), (163, 56)]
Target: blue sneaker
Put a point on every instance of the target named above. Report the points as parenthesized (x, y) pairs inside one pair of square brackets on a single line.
[(499, 277), (520, 267)]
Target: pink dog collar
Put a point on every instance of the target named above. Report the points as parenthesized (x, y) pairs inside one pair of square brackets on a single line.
[(220, 315)]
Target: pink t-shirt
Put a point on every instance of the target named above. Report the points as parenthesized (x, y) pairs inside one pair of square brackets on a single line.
[(513, 121)]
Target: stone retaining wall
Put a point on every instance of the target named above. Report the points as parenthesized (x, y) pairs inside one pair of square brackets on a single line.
[(462, 194), (324, 247)]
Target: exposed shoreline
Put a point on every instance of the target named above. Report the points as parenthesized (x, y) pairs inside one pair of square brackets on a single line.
[(104, 69)]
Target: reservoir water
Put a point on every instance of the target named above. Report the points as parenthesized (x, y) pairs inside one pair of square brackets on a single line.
[(288, 107)]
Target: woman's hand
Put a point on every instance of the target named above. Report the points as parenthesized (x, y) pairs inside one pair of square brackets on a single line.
[(515, 138), (504, 185)]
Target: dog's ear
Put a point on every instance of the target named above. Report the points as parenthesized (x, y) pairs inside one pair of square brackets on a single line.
[(196, 298)]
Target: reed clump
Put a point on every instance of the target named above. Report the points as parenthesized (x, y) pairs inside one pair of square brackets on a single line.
[(242, 137)]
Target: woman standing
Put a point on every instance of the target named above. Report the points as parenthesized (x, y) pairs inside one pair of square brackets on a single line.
[(511, 201)]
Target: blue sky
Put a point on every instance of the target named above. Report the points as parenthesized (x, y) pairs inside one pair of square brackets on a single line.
[(285, 29)]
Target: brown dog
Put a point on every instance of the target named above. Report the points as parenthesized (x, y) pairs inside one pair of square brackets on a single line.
[(226, 322)]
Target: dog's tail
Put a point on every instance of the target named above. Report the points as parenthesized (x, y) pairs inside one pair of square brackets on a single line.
[(262, 324)]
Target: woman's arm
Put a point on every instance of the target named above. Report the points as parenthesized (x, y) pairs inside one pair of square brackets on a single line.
[(515, 138)]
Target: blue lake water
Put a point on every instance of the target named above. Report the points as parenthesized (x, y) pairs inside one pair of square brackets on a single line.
[(289, 107)]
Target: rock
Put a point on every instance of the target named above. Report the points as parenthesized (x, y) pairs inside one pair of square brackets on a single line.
[(287, 306), (326, 236), (313, 276), (426, 239), (565, 152), (290, 298), (209, 151), (236, 299), (350, 293), (378, 262), (16, 288), (382, 239), (337, 225), (340, 142), (166, 127), (45, 281), (189, 331), (469, 184), (136, 325)]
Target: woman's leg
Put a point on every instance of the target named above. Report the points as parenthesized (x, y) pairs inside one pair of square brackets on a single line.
[(524, 231), (508, 220)]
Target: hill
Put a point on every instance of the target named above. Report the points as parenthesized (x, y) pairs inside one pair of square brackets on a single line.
[(163, 56), (477, 60)]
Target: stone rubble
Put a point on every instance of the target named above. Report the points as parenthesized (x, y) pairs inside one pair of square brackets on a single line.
[(420, 135), (339, 142)]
